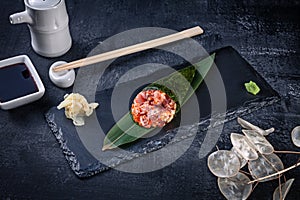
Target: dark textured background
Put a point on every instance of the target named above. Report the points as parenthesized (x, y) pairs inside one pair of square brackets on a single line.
[(266, 33)]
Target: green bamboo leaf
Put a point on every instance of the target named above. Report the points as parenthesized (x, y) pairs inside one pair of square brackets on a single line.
[(123, 132), (202, 68), (183, 83)]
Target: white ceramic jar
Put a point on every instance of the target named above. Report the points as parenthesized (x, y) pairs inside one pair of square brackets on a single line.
[(48, 23)]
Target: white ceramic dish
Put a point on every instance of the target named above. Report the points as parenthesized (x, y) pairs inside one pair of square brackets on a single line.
[(27, 98)]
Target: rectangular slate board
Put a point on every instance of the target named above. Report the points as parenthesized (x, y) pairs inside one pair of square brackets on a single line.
[(234, 70)]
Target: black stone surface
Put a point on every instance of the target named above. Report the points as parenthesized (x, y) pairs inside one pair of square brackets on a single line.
[(265, 33)]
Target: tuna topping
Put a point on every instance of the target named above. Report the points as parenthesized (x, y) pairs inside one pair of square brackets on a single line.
[(153, 108)]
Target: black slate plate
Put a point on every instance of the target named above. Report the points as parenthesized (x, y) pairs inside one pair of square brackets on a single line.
[(234, 70)]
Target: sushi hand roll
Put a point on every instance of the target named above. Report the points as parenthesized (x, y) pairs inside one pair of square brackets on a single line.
[(157, 104)]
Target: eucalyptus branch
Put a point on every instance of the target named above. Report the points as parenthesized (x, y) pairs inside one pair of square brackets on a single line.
[(277, 173), (288, 152), (256, 184), (280, 189), (245, 172), (270, 163)]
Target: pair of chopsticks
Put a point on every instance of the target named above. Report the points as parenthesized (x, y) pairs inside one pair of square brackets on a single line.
[(130, 49)]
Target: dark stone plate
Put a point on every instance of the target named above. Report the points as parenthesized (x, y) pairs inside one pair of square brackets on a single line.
[(83, 150)]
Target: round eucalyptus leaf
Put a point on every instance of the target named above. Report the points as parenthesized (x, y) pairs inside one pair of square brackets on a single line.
[(265, 165), (243, 161), (235, 188), (223, 163), (247, 125), (285, 188), (242, 146), (296, 136), (259, 142)]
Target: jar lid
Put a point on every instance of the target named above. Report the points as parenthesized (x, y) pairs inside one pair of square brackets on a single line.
[(43, 4)]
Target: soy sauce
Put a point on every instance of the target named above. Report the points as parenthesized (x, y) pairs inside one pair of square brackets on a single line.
[(16, 81)]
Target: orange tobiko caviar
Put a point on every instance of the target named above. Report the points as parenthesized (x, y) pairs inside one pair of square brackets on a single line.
[(153, 108)]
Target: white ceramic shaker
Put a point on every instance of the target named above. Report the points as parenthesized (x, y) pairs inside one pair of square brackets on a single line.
[(48, 23)]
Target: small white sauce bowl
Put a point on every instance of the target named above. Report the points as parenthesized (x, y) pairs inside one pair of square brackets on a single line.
[(27, 98), (62, 79)]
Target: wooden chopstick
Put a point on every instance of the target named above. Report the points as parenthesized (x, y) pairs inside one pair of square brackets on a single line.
[(130, 49)]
